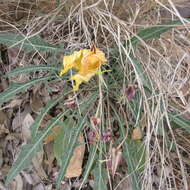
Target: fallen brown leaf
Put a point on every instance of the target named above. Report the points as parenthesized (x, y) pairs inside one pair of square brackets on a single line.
[(27, 122), (137, 134), (14, 103), (3, 117), (19, 183), (52, 135), (3, 130), (1, 157), (37, 163), (19, 117), (36, 103), (3, 84), (39, 186), (75, 165), (113, 163)]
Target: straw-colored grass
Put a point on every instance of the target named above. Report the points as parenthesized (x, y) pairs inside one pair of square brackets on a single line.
[(165, 63)]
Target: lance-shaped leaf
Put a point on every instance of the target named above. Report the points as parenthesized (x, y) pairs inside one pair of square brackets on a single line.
[(71, 144), (100, 174), (135, 164), (19, 87), (153, 32), (179, 122), (91, 159), (29, 69), (29, 151), (28, 44), (34, 127)]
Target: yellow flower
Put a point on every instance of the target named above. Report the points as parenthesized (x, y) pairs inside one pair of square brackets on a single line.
[(86, 61)]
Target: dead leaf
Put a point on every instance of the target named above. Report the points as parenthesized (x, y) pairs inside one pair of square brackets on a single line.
[(3, 84), (28, 178), (137, 134), (14, 103), (52, 135), (36, 103), (3, 117), (44, 93), (37, 163), (27, 122), (1, 157), (48, 149), (4, 171), (19, 182), (39, 186), (3, 130), (18, 119), (113, 163), (75, 165)]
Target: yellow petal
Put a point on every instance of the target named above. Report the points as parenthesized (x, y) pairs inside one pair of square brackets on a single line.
[(92, 62), (86, 61), (68, 64), (78, 78), (73, 61)]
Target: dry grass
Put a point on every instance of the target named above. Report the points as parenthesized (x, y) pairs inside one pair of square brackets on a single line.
[(165, 62)]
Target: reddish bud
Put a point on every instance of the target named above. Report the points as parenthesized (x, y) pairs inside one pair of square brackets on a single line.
[(92, 137), (95, 120), (130, 92), (106, 136)]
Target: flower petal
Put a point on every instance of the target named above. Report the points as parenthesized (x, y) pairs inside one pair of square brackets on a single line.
[(78, 78), (86, 61), (73, 61)]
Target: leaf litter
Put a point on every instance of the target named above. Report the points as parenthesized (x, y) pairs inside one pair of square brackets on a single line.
[(19, 121)]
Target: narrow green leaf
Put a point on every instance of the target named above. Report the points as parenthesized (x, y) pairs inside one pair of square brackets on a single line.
[(100, 175), (19, 87), (35, 43), (136, 153), (24, 70), (90, 162), (88, 102), (132, 166), (132, 162), (61, 140), (182, 123), (71, 144), (59, 145), (140, 72), (153, 32), (29, 151), (34, 127)]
